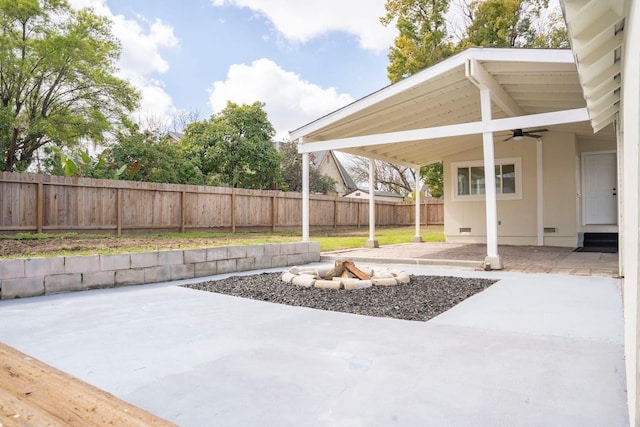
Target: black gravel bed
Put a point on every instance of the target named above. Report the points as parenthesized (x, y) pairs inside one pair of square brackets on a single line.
[(423, 298)]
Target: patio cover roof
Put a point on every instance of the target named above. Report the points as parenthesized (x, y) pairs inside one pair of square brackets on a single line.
[(437, 112)]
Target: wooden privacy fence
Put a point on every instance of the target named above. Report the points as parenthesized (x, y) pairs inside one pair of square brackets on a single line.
[(33, 202)]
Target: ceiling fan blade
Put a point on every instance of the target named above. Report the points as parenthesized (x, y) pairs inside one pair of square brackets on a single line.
[(505, 140), (531, 135), (537, 130)]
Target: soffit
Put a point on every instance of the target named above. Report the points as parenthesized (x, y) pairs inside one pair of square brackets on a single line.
[(596, 30)]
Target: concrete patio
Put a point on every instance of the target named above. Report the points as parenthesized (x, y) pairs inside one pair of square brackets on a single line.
[(533, 349)]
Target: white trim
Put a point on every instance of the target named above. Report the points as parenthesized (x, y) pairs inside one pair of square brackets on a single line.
[(516, 161), (462, 129)]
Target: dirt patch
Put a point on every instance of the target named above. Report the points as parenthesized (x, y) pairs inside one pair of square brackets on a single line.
[(33, 393), (83, 245)]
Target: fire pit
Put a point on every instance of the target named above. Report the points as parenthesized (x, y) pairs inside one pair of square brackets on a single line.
[(344, 275)]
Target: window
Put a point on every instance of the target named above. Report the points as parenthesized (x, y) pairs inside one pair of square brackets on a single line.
[(470, 182)]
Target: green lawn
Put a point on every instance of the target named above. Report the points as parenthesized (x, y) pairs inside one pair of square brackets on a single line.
[(348, 239)]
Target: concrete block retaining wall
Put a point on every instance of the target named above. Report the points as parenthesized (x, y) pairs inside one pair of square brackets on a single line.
[(27, 277)]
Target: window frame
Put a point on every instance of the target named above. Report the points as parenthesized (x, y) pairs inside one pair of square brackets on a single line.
[(515, 161)]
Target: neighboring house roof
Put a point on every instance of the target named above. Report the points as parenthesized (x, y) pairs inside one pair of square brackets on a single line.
[(378, 193), (176, 136), (437, 112), (346, 178)]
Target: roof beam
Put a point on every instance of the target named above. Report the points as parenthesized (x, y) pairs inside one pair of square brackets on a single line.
[(602, 115), (602, 90), (480, 77), (605, 101), (594, 18), (593, 77), (495, 125), (600, 124), (588, 56)]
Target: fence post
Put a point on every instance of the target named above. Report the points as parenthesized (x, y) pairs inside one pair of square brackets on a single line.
[(233, 210), (358, 213), (183, 221), (39, 207), (426, 213), (119, 212), (335, 213), (274, 213)]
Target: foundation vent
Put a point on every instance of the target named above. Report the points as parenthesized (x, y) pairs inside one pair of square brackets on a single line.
[(550, 230), (465, 229)]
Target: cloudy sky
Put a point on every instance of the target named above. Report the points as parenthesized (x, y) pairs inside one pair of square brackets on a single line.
[(303, 59)]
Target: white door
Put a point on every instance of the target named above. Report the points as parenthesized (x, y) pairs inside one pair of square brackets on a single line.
[(600, 188)]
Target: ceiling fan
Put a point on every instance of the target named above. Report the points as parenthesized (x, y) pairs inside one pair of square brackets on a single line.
[(518, 134)]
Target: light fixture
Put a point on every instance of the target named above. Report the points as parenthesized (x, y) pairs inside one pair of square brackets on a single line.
[(517, 134)]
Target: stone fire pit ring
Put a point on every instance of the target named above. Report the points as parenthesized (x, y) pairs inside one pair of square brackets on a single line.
[(317, 277)]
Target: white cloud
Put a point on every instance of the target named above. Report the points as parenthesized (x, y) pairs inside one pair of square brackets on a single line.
[(301, 21), (290, 101), (140, 58)]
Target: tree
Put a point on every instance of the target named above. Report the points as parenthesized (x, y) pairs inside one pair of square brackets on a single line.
[(433, 178), (176, 122), (57, 83), (292, 171), (78, 162), (235, 147), (552, 32), (135, 156), (387, 176), (150, 157), (422, 39), (513, 23)]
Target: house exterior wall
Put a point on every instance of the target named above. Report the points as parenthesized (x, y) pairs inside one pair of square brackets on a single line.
[(561, 177), (630, 172), (330, 168), (517, 218)]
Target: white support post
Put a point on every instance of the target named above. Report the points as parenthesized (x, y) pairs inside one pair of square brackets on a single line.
[(493, 260), (540, 192), (305, 194), (417, 238), (372, 243)]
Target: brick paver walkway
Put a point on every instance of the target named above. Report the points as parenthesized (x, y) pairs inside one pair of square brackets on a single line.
[(527, 259)]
